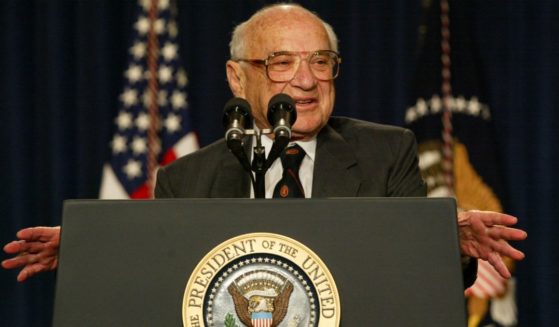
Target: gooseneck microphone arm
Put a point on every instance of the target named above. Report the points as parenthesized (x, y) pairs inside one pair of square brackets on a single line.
[(236, 117)]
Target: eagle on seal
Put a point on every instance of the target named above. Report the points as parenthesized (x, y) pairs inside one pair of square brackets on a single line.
[(277, 305)]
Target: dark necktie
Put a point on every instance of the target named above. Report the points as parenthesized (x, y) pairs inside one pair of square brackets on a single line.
[(290, 185)]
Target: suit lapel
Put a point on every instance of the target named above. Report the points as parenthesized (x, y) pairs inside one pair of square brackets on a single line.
[(334, 166), (231, 180)]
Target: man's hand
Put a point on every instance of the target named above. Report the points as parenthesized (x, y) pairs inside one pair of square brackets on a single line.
[(484, 235), (36, 250)]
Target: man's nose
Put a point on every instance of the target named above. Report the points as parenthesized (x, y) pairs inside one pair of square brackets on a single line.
[(304, 77)]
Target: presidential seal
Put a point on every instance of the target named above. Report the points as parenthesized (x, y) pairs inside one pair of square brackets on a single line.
[(261, 280)]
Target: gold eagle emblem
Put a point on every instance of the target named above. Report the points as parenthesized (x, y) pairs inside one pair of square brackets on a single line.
[(261, 291)]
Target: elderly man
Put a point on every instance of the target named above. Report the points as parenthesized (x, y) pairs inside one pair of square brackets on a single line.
[(287, 49)]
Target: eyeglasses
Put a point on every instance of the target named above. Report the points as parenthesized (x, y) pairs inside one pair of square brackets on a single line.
[(282, 66)]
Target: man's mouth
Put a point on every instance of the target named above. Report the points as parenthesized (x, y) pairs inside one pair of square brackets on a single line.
[(304, 102)]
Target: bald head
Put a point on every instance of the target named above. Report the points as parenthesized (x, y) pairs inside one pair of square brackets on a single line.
[(256, 28)]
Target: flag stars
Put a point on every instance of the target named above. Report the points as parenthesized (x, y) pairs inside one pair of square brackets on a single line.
[(142, 25), (118, 144), (182, 79), (411, 115), (421, 106), (162, 98), (436, 104), (138, 50), (172, 123), (485, 114), (133, 169), (146, 4), (147, 75), (139, 145), (474, 106), (124, 120), (178, 100), (156, 146), (133, 73), (460, 103), (129, 97), (451, 102), (142, 121), (165, 74), (173, 30), (159, 26), (146, 98), (169, 51), (161, 4)]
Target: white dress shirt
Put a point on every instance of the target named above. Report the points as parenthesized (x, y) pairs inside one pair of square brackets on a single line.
[(273, 175)]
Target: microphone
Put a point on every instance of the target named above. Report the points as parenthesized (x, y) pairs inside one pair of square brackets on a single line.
[(236, 118), (282, 115)]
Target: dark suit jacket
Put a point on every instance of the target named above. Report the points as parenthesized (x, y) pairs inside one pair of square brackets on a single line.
[(353, 159)]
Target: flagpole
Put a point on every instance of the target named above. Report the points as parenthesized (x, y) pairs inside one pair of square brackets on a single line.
[(446, 90), (153, 109)]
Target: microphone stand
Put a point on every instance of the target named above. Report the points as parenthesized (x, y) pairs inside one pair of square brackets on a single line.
[(281, 115), (259, 167), (261, 164)]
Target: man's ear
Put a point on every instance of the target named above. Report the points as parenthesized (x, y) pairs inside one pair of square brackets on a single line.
[(236, 78)]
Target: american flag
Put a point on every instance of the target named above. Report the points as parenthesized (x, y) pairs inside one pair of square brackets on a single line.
[(153, 126)]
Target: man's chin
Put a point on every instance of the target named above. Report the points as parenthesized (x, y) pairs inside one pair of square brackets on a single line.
[(304, 134)]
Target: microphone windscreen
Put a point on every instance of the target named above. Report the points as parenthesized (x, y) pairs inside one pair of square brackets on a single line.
[(281, 97), (236, 105), (284, 102)]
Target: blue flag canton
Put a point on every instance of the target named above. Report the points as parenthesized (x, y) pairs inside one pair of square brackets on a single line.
[(130, 141)]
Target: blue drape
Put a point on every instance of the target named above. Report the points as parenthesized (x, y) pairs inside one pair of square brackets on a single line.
[(61, 64)]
